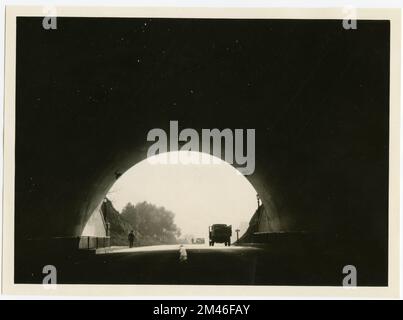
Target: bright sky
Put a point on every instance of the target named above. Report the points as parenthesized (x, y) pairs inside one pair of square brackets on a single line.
[(199, 194)]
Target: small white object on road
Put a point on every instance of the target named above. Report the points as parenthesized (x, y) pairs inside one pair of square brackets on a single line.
[(183, 255)]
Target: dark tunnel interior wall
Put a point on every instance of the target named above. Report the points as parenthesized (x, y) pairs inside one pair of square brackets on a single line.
[(317, 95)]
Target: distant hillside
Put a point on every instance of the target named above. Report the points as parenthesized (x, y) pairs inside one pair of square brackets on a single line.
[(119, 227)]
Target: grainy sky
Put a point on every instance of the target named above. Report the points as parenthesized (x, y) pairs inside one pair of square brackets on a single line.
[(198, 194)]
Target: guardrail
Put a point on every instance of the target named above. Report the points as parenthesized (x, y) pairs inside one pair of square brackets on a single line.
[(89, 242)]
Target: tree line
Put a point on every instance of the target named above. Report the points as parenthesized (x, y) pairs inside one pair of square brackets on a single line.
[(151, 221)]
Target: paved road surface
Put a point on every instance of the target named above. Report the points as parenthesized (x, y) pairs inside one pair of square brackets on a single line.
[(160, 264), (206, 265), (218, 265)]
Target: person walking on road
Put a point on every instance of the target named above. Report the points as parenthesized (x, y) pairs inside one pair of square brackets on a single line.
[(131, 238)]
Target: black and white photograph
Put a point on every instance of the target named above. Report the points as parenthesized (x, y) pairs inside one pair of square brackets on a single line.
[(208, 151)]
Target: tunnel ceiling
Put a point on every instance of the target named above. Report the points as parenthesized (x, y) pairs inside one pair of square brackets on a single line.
[(317, 95)]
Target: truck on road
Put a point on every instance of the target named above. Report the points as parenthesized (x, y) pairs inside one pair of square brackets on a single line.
[(220, 233)]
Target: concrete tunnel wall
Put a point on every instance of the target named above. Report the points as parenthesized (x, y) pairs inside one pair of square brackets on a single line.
[(85, 105)]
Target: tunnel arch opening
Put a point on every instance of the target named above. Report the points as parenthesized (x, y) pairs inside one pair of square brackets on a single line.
[(200, 189)]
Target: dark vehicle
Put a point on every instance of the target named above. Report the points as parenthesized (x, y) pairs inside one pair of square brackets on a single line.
[(220, 233), (200, 241)]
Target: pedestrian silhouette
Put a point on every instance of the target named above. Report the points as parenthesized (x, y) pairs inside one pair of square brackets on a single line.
[(131, 238)]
